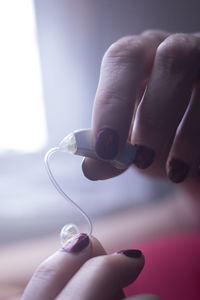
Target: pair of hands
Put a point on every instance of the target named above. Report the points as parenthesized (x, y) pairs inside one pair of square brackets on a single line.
[(82, 270), (149, 94)]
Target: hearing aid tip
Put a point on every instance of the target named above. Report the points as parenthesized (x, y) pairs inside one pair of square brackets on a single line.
[(68, 144)]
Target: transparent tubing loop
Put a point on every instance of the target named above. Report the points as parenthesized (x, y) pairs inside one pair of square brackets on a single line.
[(59, 189)]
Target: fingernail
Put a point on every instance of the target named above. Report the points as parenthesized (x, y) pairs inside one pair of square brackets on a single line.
[(107, 143), (134, 253), (86, 173), (76, 244), (144, 156), (177, 170)]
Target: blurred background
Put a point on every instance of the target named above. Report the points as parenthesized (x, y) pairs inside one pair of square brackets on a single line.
[(50, 55)]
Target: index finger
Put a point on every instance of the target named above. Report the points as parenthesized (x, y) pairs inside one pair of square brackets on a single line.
[(125, 66), (55, 272)]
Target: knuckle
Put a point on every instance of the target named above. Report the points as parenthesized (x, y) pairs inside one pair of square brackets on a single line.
[(44, 272), (155, 33), (179, 47), (126, 50), (151, 32), (112, 99)]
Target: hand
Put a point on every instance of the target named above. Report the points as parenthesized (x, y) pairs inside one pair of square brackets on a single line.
[(82, 270), (149, 93)]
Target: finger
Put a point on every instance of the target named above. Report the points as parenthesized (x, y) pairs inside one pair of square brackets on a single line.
[(54, 273), (184, 157), (102, 170), (167, 95), (125, 66), (103, 277)]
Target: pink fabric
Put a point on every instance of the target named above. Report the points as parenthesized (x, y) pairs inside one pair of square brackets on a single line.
[(172, 269)]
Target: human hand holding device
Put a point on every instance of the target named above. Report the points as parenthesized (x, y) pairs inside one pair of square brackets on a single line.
[(148, 94)]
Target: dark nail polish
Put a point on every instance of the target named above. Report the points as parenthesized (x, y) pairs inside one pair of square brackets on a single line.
[(144, 156), (134, 253), (76, 244), (107, 143), (177, 170)]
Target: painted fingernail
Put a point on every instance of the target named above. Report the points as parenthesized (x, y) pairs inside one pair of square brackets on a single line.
[(107, 143), (76, 244), (144, 156), (134, 253), (177, 170)]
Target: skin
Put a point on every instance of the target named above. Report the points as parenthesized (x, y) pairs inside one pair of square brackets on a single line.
[(88, 274), (152, 100), (148, 93)]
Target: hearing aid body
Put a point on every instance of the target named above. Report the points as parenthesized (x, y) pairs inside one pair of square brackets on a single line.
[(81, 142)]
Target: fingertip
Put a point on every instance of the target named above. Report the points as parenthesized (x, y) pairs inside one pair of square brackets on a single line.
[(76, 244), (131, 262), (87, 170), (98, 170), (144, 156), (134, 254), (81, 242), (177, 170), (97, 248)]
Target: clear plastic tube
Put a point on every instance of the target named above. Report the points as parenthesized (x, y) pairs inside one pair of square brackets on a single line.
[(64, 195)]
